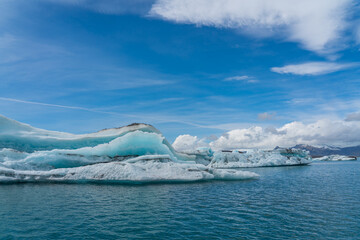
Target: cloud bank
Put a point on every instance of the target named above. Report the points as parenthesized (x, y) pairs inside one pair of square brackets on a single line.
[(322, 132), (316, 25)]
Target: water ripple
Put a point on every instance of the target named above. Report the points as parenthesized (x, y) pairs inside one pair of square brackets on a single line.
[(321, 201)]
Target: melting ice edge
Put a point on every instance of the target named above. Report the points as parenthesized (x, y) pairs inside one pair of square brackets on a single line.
[(136, 153)]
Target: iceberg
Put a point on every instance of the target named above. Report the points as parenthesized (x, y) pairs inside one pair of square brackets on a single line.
[(250, 158), (336, 158), (135, 153), (227, 159), (260, 158), (23, 137), (140, 171)]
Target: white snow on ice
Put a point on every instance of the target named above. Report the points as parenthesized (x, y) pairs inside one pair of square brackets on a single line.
[(335, 158), (135, 153)]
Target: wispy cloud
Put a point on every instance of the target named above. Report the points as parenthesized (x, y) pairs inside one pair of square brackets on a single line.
[(313, 68), (266, 116), (110, 6), (14, 49), (357, 33), (61, 106), (353, 117), (243, 78), (23, 60), (150, 118), (316, 25)]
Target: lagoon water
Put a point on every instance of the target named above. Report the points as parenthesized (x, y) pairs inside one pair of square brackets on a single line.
[(319, 201)]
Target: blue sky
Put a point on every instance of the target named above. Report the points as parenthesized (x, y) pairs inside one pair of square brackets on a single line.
[(187, 67)]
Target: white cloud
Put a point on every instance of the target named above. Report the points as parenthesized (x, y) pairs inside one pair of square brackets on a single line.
[(237, 78), (313, 68), (241, 78), (321, 132), (266, 116), (58, 106), (358, 34), (110, 6), (353, 117), (317, 25), (14, 49), (186, 142)]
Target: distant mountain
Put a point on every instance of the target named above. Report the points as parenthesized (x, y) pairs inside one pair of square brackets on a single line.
[(329, 150)]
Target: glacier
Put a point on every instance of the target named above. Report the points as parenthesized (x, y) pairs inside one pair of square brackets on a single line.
[(137, 153)]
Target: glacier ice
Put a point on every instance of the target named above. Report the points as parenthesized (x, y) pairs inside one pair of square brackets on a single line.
[(23, 137), (135, 153), (138, 171), (335, 158), (260, 158)]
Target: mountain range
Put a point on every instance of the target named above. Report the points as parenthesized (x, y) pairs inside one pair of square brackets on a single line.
[(329, 150)]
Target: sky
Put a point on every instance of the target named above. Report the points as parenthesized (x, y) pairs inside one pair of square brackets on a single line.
[(219, 73)]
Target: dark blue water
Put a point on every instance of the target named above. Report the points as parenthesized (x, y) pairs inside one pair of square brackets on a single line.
[(320, 201)]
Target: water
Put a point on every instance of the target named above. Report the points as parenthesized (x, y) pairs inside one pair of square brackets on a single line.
[(320, 201)]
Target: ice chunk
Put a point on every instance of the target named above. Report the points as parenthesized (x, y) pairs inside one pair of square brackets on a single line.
[(260, 158), (138, 170), (335, 158)]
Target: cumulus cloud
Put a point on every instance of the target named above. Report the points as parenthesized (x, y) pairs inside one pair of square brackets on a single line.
[(186, 143), (321, 132), (241, 78), (316, 25), (266, 116), (313, 68)]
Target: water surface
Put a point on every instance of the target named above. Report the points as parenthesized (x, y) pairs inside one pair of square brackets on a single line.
[(320, 201)]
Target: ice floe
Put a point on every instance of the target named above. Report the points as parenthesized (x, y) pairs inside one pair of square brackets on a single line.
[(253, 158), (135, 153), (335, 158)]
